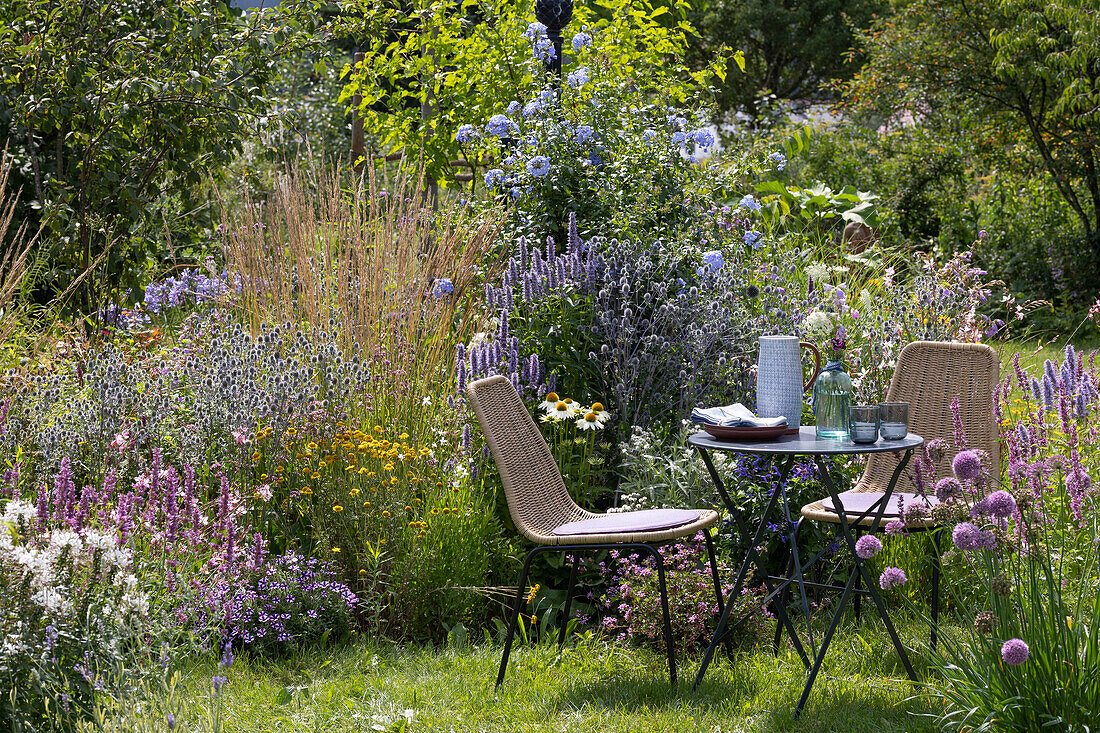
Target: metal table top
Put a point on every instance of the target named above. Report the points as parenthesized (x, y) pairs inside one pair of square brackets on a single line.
[(805, 442)]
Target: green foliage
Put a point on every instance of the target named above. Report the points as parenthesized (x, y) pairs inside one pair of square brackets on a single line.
[(792, 48), (106, 106), (1016, 74), (430, 67)]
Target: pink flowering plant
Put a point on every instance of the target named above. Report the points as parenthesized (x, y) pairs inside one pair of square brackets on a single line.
[(1021, 564)]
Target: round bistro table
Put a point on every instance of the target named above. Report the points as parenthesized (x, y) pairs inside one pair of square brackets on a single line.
[(785, 448)]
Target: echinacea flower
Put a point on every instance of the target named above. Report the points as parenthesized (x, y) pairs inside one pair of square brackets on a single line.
[(561, 411), (590, 421), (601, 414)]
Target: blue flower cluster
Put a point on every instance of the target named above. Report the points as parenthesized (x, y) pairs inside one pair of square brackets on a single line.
[(191, 286)]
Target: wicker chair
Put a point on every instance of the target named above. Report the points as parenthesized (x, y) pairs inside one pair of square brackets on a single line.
[(929, 375), (544, 512)]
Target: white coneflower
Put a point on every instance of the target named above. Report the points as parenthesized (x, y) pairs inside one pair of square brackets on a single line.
[(548, 403), (590, 421), (601, 414), (561, 411)]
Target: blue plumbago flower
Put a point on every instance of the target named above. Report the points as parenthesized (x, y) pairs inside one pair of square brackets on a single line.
[(515, 192), (443, 286), (749, 203), (532, 108), (581, 40), (467, 134), (513, 107), (713, 261), (500, 125), (779, 159), (754, 239), (675, 120), (702, 137), (534, 32), (649, 135), (583, 134), (544, 50), (493, 177), (578, 78), (538, 166), (679, 137), (595, 160)]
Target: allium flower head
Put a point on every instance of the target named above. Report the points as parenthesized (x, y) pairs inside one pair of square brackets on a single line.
[(1001, 504), (1014, 652), (868, 546), (967, 465), (948, 489), (984, 622), (892, 578)]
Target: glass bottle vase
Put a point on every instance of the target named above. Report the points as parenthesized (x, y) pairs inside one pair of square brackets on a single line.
[(832, 400)]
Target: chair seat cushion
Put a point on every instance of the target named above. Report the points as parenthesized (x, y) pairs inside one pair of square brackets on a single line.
[(646, 520), (857, 502)]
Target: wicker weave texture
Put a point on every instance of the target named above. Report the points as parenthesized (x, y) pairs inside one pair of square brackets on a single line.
[(537, 498), (929, 375)]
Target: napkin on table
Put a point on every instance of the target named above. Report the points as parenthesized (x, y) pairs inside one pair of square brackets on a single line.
[(735, 415)]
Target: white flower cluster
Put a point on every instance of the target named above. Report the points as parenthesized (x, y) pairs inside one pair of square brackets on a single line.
[(818, 324), (558, 410)]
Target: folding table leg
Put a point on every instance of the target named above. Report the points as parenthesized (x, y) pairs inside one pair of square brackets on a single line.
[(824, 646), (568, 601), (515, 615)]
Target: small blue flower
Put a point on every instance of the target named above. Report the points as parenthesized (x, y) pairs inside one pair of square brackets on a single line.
[(648, 135), (754, 239), (443, 286), (713, 260), (538, 166), (534, 32), (749, 203), (581, 40), (702, 137), (500, 125), (583, 134), (493, 177), (544, 50), (513, 107), (467, 134), (531, 108), (779, 159), (515, 192), (676, 121), (578, 78), (678, 137)]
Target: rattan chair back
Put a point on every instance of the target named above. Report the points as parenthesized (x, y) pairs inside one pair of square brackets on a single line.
[(537, 498), (929, 376)]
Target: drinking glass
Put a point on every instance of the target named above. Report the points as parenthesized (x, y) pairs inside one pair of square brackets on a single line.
[(894, 420), (863, 423)]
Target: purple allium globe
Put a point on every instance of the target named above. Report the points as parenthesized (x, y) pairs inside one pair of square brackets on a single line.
[(868, 546), (892, 578), (948, 488), (966, 536), (967, 465), (1001, 504), (1015, 652)]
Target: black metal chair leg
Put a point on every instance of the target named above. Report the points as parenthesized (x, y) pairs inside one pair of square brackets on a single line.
[(515, 615), (717, 587), (935, 587), (669, 641), (568, 601)]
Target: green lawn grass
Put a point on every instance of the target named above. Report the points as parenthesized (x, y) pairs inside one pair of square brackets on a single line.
[(593, 685)]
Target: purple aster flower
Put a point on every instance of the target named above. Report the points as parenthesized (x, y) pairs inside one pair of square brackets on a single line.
[(967, 465), (868, 546), (1015, 652), (892, 578), (1001, 504)]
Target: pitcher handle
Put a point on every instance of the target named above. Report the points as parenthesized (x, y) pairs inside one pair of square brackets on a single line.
[(817, 364)]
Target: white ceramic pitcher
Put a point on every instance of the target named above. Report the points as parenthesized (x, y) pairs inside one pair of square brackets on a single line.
[(779, 385)]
